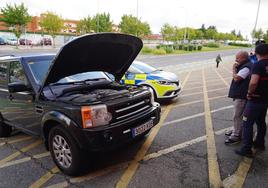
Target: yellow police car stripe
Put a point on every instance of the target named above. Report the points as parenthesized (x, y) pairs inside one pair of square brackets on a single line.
[(132, 82), (140, 77)]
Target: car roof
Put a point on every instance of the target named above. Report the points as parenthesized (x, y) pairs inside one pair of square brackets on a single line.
[(13, 57)]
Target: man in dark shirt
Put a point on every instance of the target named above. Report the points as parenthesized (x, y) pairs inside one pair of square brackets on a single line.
[(256, 106)]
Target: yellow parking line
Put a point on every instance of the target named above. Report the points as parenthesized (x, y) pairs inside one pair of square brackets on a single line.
[(238, 178), (16, 154), (212, 90), (16, 140), (213, 166), (23, 160), (222, 78), (91, 175), (45, 178), (128, 174)]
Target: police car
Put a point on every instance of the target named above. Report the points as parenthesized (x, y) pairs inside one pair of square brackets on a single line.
[(165, 85)]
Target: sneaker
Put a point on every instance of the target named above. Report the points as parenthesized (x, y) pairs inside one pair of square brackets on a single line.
[(230, 141), (243, 153), (228, 133), (260, 147)]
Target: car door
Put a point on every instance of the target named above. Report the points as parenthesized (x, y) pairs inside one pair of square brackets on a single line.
[(22, 104), (4, 102)]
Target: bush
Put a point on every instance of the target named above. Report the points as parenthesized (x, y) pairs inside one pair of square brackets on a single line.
[(185, 48), (146, 50), (191, 47), (212, 45), (169, 50), (199, 48), (239, 44), (160, 51)]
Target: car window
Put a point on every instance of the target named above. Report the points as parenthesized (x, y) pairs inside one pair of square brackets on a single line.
[(3, 74), (133, 69), (144, 68), (84, 76), (39, 69), (16, 73)]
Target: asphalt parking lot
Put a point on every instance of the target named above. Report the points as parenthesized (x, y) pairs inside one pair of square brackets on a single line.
[(186, 149)]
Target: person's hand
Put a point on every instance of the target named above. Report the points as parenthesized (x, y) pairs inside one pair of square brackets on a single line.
[(235, 65), (250, 96)]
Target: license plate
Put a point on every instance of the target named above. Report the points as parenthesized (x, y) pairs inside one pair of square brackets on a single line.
[(142, 128)]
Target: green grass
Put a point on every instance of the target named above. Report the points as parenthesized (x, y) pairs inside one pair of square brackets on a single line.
[(204, 49)]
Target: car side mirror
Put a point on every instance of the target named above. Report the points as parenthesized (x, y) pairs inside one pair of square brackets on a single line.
[(18, 87)]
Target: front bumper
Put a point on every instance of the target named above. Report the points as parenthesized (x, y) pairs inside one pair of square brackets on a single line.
[(112, 136)]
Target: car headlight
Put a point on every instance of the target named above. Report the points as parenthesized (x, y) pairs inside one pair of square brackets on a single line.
[(96, 115), (162, 82)]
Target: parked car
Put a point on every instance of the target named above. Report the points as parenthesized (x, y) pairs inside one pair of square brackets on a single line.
[(70, 102), (12, 41), (2, 41), (46, 41), (165, 85), (25, 42)]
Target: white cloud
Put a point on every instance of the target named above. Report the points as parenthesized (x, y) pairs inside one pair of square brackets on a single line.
[(226, 15)]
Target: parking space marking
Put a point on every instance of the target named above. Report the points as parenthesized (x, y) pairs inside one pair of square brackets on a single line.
[(213, 165), (181, 145), (128, 174), (91, 175), (16, 154), (23, 160), (238, 178), (45, 178), (220, 76), (24, 138), (196, 115), (200, 87), (212, 90)]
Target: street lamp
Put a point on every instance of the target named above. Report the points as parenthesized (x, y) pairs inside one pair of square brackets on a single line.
[(257, 16), (137, 16)]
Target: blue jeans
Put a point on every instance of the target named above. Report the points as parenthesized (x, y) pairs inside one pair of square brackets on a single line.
[(254, 113)]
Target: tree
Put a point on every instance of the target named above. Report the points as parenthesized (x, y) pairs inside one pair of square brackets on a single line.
[(85, 25), (16, 17), (51, 23), (265, 37), (102, 23), (168, 32), (257, 34), (131, 25)]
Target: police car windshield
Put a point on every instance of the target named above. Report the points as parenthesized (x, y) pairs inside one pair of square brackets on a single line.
[(144, 68)]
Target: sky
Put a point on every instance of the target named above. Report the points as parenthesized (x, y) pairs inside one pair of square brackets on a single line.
[(226, 15)]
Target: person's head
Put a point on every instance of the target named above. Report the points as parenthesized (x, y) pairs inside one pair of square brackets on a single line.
[(258, 42), (241, 57), (261, 51)]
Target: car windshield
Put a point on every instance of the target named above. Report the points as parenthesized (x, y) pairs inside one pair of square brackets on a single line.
[(39, 69), (143, 68)]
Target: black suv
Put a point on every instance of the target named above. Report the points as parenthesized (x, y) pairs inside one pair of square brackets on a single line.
[(71, 101)]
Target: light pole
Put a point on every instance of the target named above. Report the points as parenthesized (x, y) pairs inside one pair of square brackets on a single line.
[(186, 23), (98, 21), (137, 15), (257, 16)]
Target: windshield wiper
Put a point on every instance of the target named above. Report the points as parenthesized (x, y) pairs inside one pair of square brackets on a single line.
[(87, 81)]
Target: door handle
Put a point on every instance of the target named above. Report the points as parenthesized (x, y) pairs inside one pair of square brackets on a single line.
[(11, 97)]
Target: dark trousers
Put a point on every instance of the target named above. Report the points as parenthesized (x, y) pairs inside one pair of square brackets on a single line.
[(217, 65), (254, 113)]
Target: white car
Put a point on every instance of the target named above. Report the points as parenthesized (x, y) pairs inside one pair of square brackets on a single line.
[(12, 41)]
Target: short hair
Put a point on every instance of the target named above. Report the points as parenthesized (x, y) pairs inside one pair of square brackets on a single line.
[(262, 49)]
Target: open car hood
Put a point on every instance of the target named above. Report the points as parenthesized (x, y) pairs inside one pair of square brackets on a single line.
[(108, 52)]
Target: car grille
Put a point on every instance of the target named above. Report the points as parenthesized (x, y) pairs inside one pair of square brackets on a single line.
[(130, 109)]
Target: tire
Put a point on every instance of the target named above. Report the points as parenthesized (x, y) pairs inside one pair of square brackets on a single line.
[(5, 130), (61, 142)]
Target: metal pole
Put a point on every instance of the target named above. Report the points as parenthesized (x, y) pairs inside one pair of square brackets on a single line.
[(257, 16), (137, 15), (98, 22)]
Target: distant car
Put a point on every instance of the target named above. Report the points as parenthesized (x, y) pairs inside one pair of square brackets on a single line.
[(165, 85), (2, 41), (12, 41), (25, 42), (46, 41)]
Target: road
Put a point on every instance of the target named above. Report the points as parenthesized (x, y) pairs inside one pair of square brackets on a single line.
[(186, 149)]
